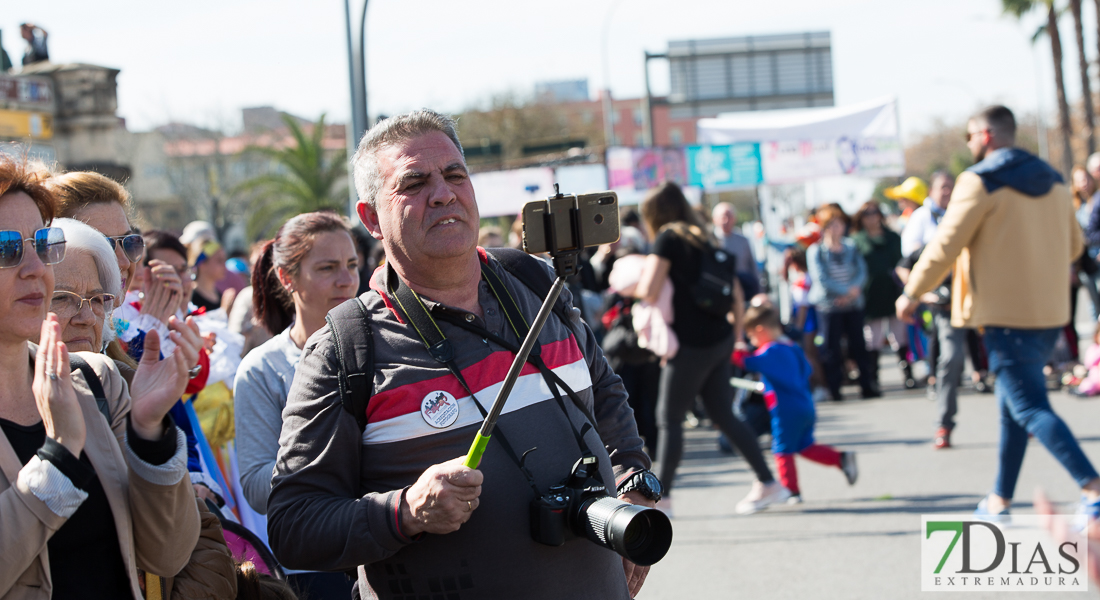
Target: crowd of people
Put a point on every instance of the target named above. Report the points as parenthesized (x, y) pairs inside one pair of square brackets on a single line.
[(294, 423)]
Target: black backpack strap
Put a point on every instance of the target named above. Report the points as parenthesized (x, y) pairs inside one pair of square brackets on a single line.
[(94, 384), (532, 273), (354, 340)]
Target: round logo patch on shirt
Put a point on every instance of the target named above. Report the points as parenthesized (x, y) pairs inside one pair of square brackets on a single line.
[(439, 409)]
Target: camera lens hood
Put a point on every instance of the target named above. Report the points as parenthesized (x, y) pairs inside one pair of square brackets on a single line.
[(640, 534)]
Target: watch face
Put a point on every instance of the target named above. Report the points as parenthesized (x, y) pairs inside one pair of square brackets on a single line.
[(652, 482)]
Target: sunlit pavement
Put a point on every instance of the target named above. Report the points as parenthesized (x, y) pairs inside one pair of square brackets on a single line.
[(852, 542)]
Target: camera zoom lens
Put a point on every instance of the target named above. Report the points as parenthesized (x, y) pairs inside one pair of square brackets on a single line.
[(636, 536), (641, 534)]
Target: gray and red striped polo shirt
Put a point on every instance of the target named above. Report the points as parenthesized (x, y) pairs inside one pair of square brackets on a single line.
[(336, 492)]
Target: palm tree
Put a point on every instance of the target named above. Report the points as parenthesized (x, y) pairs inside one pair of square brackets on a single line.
[(1083, 67), (303, 181), (1019, 8)]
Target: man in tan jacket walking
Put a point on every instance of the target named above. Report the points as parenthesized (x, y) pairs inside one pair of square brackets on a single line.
[(1010, 234)]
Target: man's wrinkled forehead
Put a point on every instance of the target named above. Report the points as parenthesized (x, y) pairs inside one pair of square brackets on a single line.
[(419, 156)]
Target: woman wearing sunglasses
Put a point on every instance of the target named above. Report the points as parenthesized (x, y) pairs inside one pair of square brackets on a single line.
[(881, 250), (88, 495), (105, 205)]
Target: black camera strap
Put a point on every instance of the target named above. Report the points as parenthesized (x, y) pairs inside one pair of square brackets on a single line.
[(520, 326), (552, 380), (440, 348)]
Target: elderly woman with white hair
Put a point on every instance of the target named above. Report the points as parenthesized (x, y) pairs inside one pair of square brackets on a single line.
[(86, 284)]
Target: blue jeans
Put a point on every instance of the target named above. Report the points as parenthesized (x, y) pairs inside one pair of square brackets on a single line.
[(1017, 358)]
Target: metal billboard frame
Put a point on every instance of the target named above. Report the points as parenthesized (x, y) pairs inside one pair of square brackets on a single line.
[(741, 59)]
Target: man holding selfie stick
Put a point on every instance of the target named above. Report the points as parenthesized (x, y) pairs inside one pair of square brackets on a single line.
[(384, 489)]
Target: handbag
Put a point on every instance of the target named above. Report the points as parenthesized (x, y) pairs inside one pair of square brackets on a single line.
[(620, 343)]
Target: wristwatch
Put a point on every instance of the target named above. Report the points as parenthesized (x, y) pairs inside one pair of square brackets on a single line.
[(645, 482)]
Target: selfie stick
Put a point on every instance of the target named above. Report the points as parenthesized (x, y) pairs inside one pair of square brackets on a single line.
[(565, 263)]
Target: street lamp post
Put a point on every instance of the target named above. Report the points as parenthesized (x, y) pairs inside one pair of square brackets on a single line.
[(357, 82), (608, 119)]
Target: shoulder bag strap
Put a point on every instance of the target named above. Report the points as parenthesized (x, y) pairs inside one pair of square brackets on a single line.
[(94, 384), (354, 339)]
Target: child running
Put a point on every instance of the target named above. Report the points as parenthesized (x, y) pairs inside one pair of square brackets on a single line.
[(786, 374)]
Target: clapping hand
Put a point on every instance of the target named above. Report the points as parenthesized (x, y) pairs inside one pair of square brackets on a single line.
[(159, 383), (53, 390), (163, 290)]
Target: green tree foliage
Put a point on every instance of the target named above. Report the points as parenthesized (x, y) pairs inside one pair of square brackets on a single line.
[(304, 180), (501, 133)]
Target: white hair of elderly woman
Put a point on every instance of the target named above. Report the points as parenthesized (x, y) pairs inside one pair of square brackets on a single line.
[(80, 237)]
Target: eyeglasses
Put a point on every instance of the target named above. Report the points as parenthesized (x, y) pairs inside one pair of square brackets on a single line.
[(133, 245), (49, 244), (872, 213), (69, 304)]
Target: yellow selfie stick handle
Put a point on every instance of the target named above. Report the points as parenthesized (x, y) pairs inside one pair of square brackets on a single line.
[(473, 457)]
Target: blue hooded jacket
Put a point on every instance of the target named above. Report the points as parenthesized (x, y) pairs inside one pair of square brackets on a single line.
[(1018, 169)]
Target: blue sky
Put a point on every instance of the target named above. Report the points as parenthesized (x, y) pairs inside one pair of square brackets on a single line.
[(201, 62)]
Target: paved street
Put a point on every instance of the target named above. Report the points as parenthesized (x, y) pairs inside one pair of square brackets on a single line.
[(850, 542)]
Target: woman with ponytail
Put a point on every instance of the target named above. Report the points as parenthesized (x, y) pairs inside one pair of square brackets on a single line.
[(309, 268), (701, 367)]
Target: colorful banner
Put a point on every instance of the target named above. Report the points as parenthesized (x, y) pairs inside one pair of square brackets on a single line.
[(800, 145), (645, 168), (733, 165), (793, 161)]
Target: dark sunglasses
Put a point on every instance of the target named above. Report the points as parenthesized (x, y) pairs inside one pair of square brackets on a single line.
[(133, 245), (971, 134), (49, 244)]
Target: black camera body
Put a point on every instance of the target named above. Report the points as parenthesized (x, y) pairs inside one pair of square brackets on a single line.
[(581, 506), (554, 515)]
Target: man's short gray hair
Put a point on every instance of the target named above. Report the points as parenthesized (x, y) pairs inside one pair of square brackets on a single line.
[(394, 130), (80, 237)]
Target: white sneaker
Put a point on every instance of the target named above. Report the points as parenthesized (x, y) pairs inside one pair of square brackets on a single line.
[(795, 499), (760, 496)]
